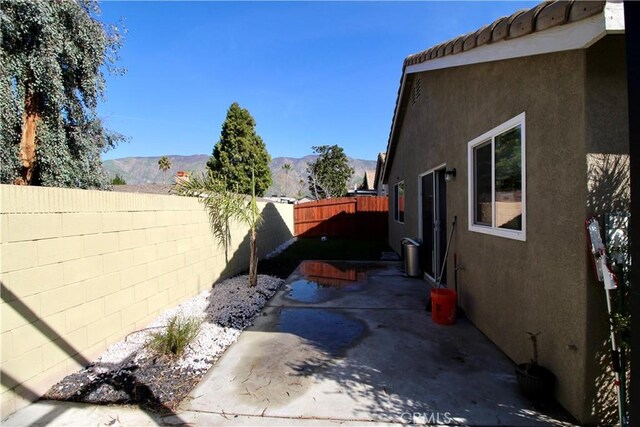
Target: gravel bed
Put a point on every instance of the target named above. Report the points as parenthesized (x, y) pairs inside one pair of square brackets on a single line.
[(129, 373)]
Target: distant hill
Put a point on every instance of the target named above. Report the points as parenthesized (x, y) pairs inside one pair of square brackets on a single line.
[(144, 170)]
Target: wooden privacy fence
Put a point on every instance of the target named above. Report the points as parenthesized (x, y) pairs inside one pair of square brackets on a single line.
[(345, 217)]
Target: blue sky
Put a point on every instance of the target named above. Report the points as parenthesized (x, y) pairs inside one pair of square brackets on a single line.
[(310, 73)]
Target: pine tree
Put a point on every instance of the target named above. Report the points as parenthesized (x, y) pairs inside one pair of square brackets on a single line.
[(240, 152), (52, 57)]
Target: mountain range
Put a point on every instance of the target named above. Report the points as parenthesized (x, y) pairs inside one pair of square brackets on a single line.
[(144, 170)]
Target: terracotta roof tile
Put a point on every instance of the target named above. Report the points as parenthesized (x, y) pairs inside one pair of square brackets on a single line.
[(469, 42), (584, 9), (556, 13), (448, 48), (457, 45), (500, 29), (483, 35), (518, 24)]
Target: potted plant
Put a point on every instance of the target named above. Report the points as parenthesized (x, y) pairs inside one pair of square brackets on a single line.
[(535, 381)]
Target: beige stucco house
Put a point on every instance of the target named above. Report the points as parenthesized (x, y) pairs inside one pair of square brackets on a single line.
[(509, 131)]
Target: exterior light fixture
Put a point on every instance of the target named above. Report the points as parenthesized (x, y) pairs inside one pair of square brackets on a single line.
[(449, 175)]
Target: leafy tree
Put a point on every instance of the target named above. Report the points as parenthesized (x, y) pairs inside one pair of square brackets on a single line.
[(239, 153), (287, 167), (51, 78), (118, 180), (301, 189), (329, 173), (164, 164), (224, 206)]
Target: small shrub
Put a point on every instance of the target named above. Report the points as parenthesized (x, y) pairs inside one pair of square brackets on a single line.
[(118, 180), (175, 338)]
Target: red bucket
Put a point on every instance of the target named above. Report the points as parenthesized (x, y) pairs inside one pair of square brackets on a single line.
[(443, 306)]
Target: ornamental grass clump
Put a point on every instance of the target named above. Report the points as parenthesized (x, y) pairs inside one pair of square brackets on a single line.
[(176, 337)]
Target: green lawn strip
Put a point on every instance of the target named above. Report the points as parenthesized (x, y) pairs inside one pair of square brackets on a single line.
[(315, 249)]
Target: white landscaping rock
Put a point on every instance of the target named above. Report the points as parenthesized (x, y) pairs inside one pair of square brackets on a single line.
[(225, 310)]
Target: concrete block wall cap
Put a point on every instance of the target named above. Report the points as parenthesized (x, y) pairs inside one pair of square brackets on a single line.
[(556, 13)]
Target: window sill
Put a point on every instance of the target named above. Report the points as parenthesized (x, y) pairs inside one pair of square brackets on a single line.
[(507, 234)]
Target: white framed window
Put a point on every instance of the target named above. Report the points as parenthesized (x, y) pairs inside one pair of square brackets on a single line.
[(497, 184), (398, 205)]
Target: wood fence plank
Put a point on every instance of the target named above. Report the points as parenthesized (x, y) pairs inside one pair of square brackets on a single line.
[(346, 217)]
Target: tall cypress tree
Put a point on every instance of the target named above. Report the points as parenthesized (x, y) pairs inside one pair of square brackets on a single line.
[(240, 151)]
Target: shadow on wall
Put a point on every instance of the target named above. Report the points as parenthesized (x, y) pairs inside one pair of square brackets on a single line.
[(608, 183), (605, 405), (126, 383), (272, 232), (608, 192)]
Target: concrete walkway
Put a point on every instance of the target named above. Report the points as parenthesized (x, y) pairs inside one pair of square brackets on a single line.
[(358, 349)]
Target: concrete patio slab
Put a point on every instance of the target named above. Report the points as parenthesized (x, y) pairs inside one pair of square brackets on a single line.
[(363, 350)]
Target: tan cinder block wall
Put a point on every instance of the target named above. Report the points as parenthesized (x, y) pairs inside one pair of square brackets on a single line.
[(81, 269)]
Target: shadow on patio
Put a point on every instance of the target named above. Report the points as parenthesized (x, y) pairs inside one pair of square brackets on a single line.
[(367, 351)]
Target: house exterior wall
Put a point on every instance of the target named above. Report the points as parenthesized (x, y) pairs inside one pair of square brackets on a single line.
[(507, 287), (81, 269), (607, 139)]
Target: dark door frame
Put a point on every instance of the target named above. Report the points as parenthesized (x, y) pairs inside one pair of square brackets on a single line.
[(434, 245)]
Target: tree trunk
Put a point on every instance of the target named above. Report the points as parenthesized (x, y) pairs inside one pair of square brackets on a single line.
[(27, 152), (253, 258)]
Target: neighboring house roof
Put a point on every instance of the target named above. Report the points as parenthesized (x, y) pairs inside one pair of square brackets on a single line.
[(566, 25), (369, 183)]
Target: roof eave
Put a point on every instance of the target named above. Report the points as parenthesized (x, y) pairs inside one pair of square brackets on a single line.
[(574, 35)]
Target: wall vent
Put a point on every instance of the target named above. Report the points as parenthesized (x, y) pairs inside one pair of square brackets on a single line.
[(415, 93)]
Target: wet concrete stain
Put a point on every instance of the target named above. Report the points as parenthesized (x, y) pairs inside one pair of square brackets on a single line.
[(330, 332), (314, 291), (267, 379), (282, 367)]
